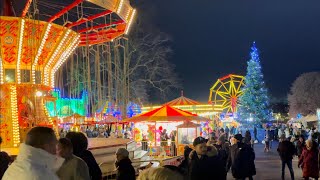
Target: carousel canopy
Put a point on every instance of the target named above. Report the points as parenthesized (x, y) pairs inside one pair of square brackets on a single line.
[(166, 113), (182, 101)]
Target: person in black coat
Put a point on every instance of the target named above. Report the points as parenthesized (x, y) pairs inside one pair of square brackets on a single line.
[(125, 170), (80, 146), (5, 160), (286, 151), (241, 160), (198, 160)]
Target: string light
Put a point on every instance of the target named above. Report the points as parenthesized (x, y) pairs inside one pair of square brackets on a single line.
[(46, 69), (19, 50), (43, 41), (1, 71), (120, 6), (130, 21), (64, 57), (14, 115), (50, 119)]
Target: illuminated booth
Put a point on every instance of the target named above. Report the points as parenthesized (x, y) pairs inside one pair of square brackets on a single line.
[(186, 133)]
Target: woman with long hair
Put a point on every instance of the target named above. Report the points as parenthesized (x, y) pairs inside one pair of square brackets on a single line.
[(309, 160)]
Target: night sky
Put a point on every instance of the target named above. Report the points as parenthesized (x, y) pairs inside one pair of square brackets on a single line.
[(212, 38)]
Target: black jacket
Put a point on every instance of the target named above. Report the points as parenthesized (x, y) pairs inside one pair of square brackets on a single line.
[(94, 169), (241, 160), (206, 168), (125, 170), (286, 150)]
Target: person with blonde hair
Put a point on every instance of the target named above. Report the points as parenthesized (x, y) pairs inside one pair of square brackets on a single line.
[(160, 173), (309, 161)]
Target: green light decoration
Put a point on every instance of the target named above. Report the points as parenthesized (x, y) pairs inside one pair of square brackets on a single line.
[(67, 106), (254, 103)]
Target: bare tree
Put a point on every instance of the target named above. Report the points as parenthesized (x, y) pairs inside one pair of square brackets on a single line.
[(304, 96), (149, 67)]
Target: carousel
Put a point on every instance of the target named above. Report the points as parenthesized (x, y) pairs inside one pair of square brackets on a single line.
[(36, 38), (166, 130)]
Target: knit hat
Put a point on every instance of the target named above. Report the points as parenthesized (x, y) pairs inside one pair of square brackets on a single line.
[(122, 152), (199, 140), (238, 137)]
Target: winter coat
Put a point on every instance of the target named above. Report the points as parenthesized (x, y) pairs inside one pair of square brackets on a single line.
[(286, 150), (4, 162), (309, 162), (33, 163), (94, 169), (241, 160), (300, 146), (74, 168), (198, 167), (125, 170), (223, 153)]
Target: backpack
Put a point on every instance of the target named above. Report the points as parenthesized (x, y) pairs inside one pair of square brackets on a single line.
[(243, 165)]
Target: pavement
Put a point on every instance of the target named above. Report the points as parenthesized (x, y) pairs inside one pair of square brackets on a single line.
[(268, 165)]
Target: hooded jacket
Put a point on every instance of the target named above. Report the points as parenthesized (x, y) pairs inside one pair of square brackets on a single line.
[(33, 164), (125, 170)]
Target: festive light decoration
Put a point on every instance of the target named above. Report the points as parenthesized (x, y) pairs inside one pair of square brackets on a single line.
[(120, 6), (36, 59), (1, 71), (225, 92), (130, 21), (64, 57), (20, 50), (255, 101), (32, 50), (56, 52), (14, 116), (68, 106)]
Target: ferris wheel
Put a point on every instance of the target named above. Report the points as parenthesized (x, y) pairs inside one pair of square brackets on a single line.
[(225, 92)]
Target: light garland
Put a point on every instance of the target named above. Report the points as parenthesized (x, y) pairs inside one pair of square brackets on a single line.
[(50, 120), (120, 6), (1, 71), (43, 41), (19, 50), (46, 69), (14, 115), (130, 21), (64, 57)]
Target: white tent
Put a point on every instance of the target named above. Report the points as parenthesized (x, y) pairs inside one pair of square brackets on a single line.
[(304, 120)]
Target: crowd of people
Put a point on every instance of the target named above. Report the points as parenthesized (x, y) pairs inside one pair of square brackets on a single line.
[(43, 156)]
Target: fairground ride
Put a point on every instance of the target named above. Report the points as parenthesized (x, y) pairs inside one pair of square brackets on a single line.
[(225, 92), (36, 38)]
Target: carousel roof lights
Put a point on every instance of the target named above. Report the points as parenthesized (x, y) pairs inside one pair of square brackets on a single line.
[(46, 69), (1, 71), (20, 50), (120, 6), (43, 41), (130, 21), (64, 57)]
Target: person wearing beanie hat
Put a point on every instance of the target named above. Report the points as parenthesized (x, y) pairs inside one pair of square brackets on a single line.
[(125, 170)]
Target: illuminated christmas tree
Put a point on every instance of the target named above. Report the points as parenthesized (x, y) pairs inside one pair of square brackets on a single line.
[(254, 103)]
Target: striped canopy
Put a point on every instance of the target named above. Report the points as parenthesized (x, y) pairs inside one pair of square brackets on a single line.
[(182, 101), (166, 113)]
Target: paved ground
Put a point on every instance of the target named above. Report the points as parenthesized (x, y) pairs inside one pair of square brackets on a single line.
[(268, 165)]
